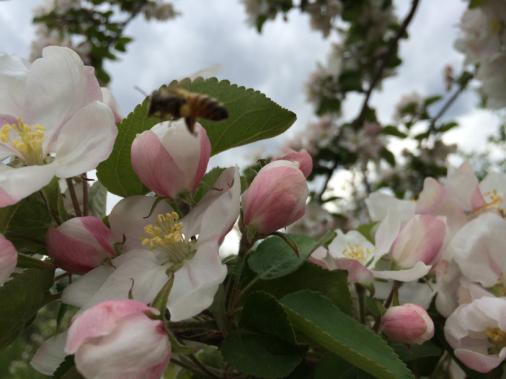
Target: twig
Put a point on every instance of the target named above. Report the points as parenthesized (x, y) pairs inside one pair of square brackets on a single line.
[(73, 196), (330, 173), (202, 367), (85, 194), (444, 109), (384, 61)]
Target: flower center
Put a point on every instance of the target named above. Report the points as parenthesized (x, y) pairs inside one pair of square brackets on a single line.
[(166, 235), (357, 252), (497, 337), (493, 200), (26, 139)]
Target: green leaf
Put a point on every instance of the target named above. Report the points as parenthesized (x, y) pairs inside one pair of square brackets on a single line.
[(388, 156), (260, 355), (20, 299), (333, 284), (274, 258), (116, 173), (252, 115), (447, 126), (367, 230), (25, 224), (67, 369), (320, 321), (414, 352), (393, 131), (431, 100), (97, 200), (334, 367), (207, 183), (263, 314)]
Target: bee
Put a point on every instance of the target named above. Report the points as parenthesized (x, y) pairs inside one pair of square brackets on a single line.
[(173, 103)]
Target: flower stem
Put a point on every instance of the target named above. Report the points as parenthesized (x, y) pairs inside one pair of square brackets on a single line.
[(73, 196)]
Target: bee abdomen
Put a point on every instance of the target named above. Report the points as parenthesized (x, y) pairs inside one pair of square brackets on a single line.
[(209, 108)]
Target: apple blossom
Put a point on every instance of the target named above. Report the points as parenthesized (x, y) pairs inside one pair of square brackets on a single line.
[(302, 157), (160, 243), (52, 122), (8, 259), (407, 323), (169, 159), (110, 101), (117, 339), (478, 249), (80, 244), (477, 333), (276, 197), (351, 252)]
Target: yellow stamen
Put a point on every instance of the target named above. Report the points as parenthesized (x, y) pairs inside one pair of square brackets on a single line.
[(357, 252), (26, 139), (496, 337), (165, 232), (493, 201)]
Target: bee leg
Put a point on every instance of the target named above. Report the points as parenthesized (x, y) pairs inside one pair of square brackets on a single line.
[(190, 123)]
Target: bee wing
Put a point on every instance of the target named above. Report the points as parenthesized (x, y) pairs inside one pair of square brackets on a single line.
[(207, 72)]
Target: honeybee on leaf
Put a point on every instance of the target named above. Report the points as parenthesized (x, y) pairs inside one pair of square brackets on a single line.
[(172, 103)]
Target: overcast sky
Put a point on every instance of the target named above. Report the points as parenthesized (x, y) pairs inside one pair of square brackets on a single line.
[(277, 62)]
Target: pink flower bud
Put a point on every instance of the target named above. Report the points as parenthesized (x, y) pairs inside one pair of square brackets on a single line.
[(8, 259), (116, 339), (420, 240), (302, 157), (408, 323), (276, 197), (169, 159), (80, 244)]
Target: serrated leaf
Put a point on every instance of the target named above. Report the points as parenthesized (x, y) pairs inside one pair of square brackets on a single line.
[(263, 314), (321, 322), (334, 367), (97, 200), (116, 173), (274, 258), (252, 115), (25, 224), (20, 299), (333, 284), (260, 355)]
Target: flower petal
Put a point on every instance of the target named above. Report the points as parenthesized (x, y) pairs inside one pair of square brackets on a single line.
[(80, 292), (85, 140), (8, 259), (57, 86), (196, 283), (50, 355), (18, 183), (13, 72), (129, 217), (418, 271)]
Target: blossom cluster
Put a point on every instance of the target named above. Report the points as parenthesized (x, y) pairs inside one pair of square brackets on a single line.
[(482, 40), (56, 122), (452, 237)]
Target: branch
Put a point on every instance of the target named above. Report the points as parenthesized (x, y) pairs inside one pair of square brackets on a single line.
[(384, 60)]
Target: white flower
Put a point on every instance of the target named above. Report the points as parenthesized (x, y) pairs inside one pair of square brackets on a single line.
[(477, 332), (52, 122), (189, 246)]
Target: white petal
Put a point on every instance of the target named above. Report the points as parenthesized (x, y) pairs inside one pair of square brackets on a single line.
[(196, 283), (80, 292), (379, 204), (13, 71), (387, 232), (57, 86), (129, 217), (18, 183), (218, 210), (416, 272), (85, 140), (138, 270), (50, 354)]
